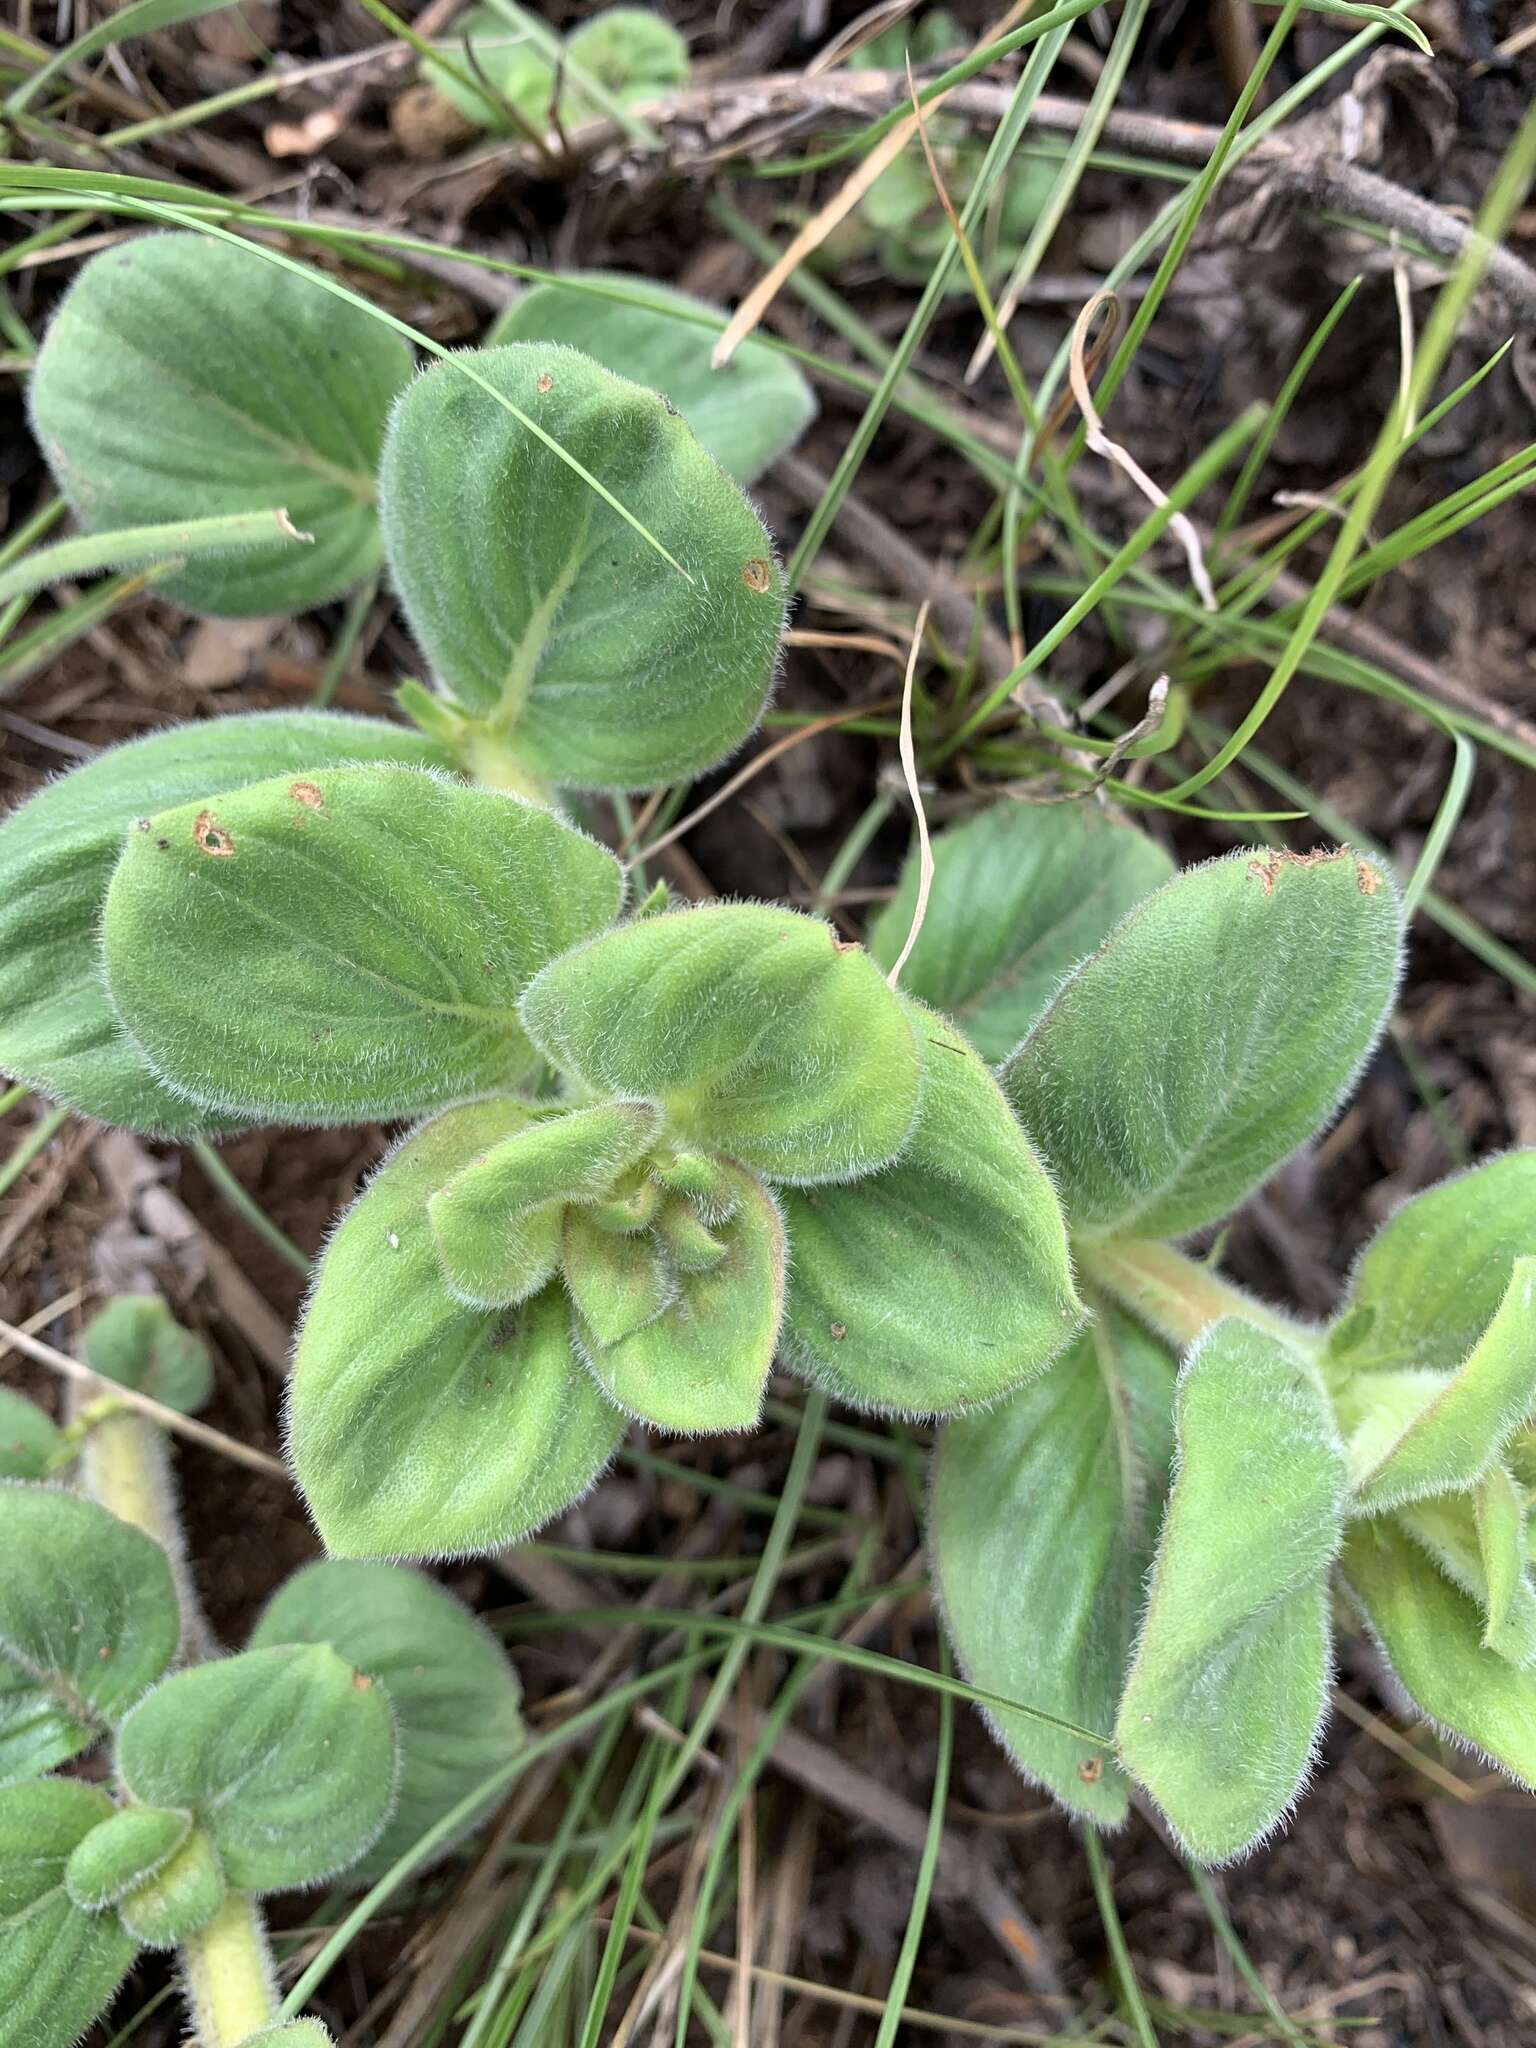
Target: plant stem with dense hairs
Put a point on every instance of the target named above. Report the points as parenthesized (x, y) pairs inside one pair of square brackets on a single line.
[(1176, 1295), (226, 1966), (227, 1969)]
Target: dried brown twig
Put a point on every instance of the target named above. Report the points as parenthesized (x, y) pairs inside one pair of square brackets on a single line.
[(707, 125)]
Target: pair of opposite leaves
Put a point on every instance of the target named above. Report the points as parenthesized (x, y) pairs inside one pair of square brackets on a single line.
[(377, 1706), (584, 577), (1044, 1598), (378, 942)]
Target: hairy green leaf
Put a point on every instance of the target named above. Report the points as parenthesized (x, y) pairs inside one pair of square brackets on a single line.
[(1427, 1285), (1020, 894), (1499, 1510), (57, 852), (351, 943), (1472, 1551), (702, 1363), (746, 413), (116, 1857), (87, 1607), (36, 1730), (1457, 1432), (633, 54), (285, 1757), (30, 1444), (1431, 1635), (502, 59), (1041, 1521), (183, 1895), (419, 1426), (756, 1031), (496, 1223), (1219, 1026), (182, 378), (943, 1280), (59, 1967), (454, 1694), (618, 1280), (601, 663), (1228, 1684), (136, 1341)]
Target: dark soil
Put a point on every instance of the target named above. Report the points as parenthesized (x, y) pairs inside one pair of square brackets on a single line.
[(1395, 1909)]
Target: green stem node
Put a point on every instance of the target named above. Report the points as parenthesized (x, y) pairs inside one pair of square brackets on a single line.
[(1176, 1295)]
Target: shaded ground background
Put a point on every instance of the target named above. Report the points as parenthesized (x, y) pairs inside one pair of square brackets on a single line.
[(1401, 1905)]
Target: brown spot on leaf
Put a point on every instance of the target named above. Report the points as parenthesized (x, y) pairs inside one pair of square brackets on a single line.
[(309, 794), (546, 382), (1265, 869), (1367, 877), (845, 945), (144, 823), (758, 575), (1091, 1769), (211, 837), (361, 1682), (839, 1332), (162, 846)]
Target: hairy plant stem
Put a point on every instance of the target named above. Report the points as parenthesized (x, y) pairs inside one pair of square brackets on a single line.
[(1176, 1295), (227, 1969), (226, 1966)]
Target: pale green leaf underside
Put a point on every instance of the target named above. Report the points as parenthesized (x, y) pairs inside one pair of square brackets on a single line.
[(346, 944), (452, 1690), (540, 608), (183, 377), (942, 1280), (1041, 1520), (1228, 1683), (57, 852), (419, 1426), (1429, 1282), (1020, 894), (1240, 1001), (745, 414), (1457, 1434), (1431, 1634)]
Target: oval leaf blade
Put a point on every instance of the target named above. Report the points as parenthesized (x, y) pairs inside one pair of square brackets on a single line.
[(58, 1031), (757, 1032), (943, 1280), (1041, 1520), (285, 1758), (87, 1605), (1020, 894), (59, 1966), (184, 377), (1228, 1683), (745, 414), (454, 1693), (419, 1426), (540, 608), (346, 944), (1240, 1000)]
